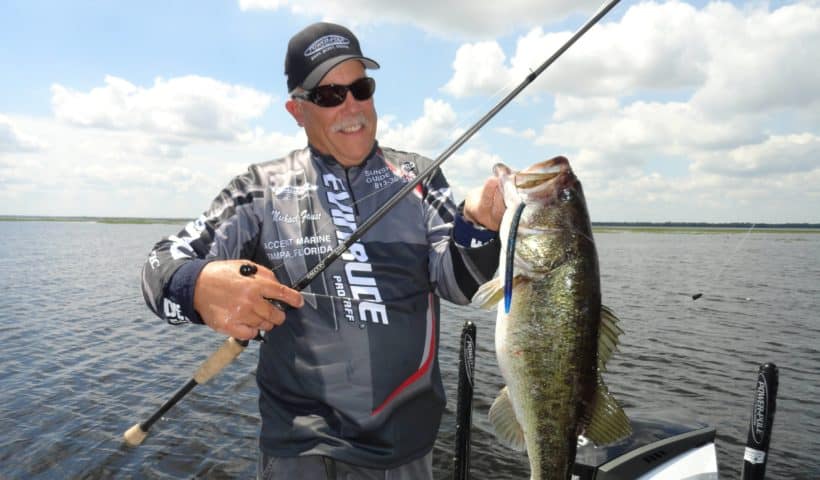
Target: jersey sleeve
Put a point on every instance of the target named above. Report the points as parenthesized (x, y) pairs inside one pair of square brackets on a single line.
[(462, 256), (228, 229)]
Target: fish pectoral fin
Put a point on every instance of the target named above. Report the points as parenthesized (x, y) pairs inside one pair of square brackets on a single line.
[(607, 336), (491, 293), (606, 422), (505, 425)]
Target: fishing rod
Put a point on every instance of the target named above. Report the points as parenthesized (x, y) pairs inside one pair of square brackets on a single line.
[(464, 402), (225, 354), (756, 452), (217, 361)]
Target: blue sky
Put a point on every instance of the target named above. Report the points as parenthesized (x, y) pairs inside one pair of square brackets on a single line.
[(668, 111)]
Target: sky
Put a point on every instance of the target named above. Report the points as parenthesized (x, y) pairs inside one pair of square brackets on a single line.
[(669, 111)]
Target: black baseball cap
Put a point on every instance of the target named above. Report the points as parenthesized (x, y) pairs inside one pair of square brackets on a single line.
[(316, 50)]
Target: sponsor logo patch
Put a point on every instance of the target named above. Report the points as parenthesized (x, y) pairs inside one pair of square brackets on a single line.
[(328, 42), (173, 312), (359, 277), (290, 186), (409, 171), (293, 192)]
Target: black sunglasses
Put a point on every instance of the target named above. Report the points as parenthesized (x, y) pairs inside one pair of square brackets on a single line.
[(333, 95)]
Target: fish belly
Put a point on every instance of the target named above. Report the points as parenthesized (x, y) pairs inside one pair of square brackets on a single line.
[(542, 350)]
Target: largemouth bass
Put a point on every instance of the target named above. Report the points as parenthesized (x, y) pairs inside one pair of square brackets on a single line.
[(552, 335)]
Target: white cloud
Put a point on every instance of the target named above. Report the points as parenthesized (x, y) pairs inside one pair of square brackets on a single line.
[(459, 17), (425, 134), (685, 114), (570, 107), (778, 154), (704, 198), (527, 133), (671, 112), (478, 67), (732, 59), (182, 108), (652, 46), (672, 128), (92, 171), (14, 140), (127, 177), (760, 61), (468, 170)]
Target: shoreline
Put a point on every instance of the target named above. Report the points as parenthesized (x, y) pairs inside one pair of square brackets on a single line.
[(598, 227), (112, 220), (703, 229)]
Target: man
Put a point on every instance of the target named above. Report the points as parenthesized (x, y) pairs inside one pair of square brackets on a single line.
[(349, 378)]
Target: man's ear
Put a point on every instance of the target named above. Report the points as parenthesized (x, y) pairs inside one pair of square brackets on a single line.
[(295, 109)]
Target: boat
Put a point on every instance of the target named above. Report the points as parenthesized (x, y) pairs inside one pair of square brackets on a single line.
[(656, 450)]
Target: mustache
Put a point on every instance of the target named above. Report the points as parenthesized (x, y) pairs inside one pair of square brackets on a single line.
[(357, 119)]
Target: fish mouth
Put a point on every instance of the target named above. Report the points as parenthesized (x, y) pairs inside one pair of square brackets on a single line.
[(538, 183), (545, 177)]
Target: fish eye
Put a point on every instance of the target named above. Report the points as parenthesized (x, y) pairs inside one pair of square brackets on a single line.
[(565, 195)]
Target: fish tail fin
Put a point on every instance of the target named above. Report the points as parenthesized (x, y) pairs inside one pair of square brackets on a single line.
[(505, 425)]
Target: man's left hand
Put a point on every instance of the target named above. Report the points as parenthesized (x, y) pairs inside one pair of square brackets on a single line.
[(485, 206)]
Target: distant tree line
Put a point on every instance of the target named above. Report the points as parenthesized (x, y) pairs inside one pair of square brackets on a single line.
[(18, 218), (706, 224)]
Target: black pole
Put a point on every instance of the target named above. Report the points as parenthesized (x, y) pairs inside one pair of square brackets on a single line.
[(144, 426), (760, 425), (464, 406)]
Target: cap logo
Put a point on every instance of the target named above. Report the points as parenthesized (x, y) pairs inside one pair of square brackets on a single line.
[(328, 42)]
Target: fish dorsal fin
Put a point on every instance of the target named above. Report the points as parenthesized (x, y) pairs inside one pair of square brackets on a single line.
[(606, 422), (505, 426), (608, 334)]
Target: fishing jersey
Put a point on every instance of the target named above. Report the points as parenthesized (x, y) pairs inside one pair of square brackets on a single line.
[(354, 373)]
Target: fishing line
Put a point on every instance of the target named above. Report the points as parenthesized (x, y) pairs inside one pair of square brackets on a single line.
[(728, 260)]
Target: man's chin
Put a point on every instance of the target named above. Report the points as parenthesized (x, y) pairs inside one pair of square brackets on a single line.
[(357, 146)]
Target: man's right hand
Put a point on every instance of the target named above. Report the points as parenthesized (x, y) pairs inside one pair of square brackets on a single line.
[(235, 305)]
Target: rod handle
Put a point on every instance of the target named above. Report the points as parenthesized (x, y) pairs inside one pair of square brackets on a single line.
[(222, 357), (760, 425), (464, 406), (134, 435)]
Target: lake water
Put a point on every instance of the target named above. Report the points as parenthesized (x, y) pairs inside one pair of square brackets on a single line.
[(83, 359)]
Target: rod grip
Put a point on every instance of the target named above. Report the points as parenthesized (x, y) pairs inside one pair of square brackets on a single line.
[(464, 407), (230, 349), (134, 435), (756, 455)]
